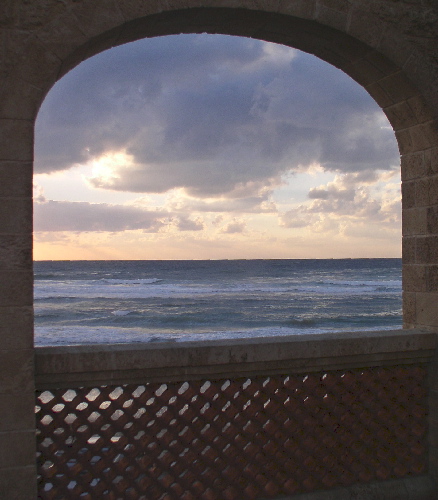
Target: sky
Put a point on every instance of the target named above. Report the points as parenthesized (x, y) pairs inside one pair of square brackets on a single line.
[(213, 147)]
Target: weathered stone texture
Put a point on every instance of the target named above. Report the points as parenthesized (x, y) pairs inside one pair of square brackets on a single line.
[(409, 309), (16, 328), (16, 179), (413, 166), (16, 288), (426, 309), (414, 221), (16, 140), (16, 370), (16, 448), (15, 252), (18, 483), (16, 215)]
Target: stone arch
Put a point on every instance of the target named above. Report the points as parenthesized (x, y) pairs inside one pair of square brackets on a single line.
[(389, 49)]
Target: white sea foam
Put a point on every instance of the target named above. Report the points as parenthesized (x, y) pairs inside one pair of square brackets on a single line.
[(94, 302), (112, 335), (121, 313)]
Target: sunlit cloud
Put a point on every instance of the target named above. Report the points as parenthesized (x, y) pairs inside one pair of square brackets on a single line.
[(348, 199)]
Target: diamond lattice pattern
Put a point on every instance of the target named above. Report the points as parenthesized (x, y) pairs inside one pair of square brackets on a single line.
[(232, 439)]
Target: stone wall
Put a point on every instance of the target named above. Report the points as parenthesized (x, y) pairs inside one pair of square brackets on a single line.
[(388, 47)]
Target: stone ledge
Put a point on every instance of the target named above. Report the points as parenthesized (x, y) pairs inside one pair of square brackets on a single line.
[(91, 365), (410, 488)]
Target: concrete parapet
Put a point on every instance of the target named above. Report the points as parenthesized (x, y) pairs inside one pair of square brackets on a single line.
[(126, 363)]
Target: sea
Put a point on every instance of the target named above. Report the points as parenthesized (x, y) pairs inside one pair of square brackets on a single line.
[(94, 302)]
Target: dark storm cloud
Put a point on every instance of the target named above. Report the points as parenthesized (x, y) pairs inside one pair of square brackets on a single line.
[(210, 114)]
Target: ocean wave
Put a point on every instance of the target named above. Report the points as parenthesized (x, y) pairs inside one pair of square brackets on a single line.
[(77, 335), (129, 282), (121, 312)]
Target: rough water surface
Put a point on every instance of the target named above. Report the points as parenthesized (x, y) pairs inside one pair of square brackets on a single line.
[(82, 302)]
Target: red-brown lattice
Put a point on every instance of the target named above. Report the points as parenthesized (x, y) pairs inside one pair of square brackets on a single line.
[(247, 438)]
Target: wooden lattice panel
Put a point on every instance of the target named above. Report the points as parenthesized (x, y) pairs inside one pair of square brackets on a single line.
[(247, 438)]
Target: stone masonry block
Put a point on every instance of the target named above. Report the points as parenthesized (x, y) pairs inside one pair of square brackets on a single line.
[(32, 15), (398, 87), (425, 135), (16, 179), (99, 16), (17, 448), (401, 116), (331, 17), (432, 220), (419, 108), (300, 8), (16, 288), (427, 309), (432, 190), (18, 483), (19, 99), (134, 9), (15, 251), (16, 215), (405, 141), (395, 48), (379, 95), (409, 245), (427, 249), (30, 61), (414, 221), (16, 328), (408, 194), (409, 309), (338, 5), (422, 192), (17, 413), (365, 27), (62, 35), (16, 371), (382, 63), (431, 161), (16, 140), (414, 278), (432, 279), (413, 165), (364, 72)]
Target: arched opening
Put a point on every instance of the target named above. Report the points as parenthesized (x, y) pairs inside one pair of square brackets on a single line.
[(376, 48), (209, 147), (382, 78)]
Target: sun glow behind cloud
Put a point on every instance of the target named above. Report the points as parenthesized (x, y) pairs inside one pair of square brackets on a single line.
[(213, 147)]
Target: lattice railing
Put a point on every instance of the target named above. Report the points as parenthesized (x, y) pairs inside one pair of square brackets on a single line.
[(239, 438)]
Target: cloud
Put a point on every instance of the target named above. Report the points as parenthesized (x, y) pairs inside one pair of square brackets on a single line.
[(213, 115), (83, 216), (233, 227), (347, 201), (259, 203), (185, 224)]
